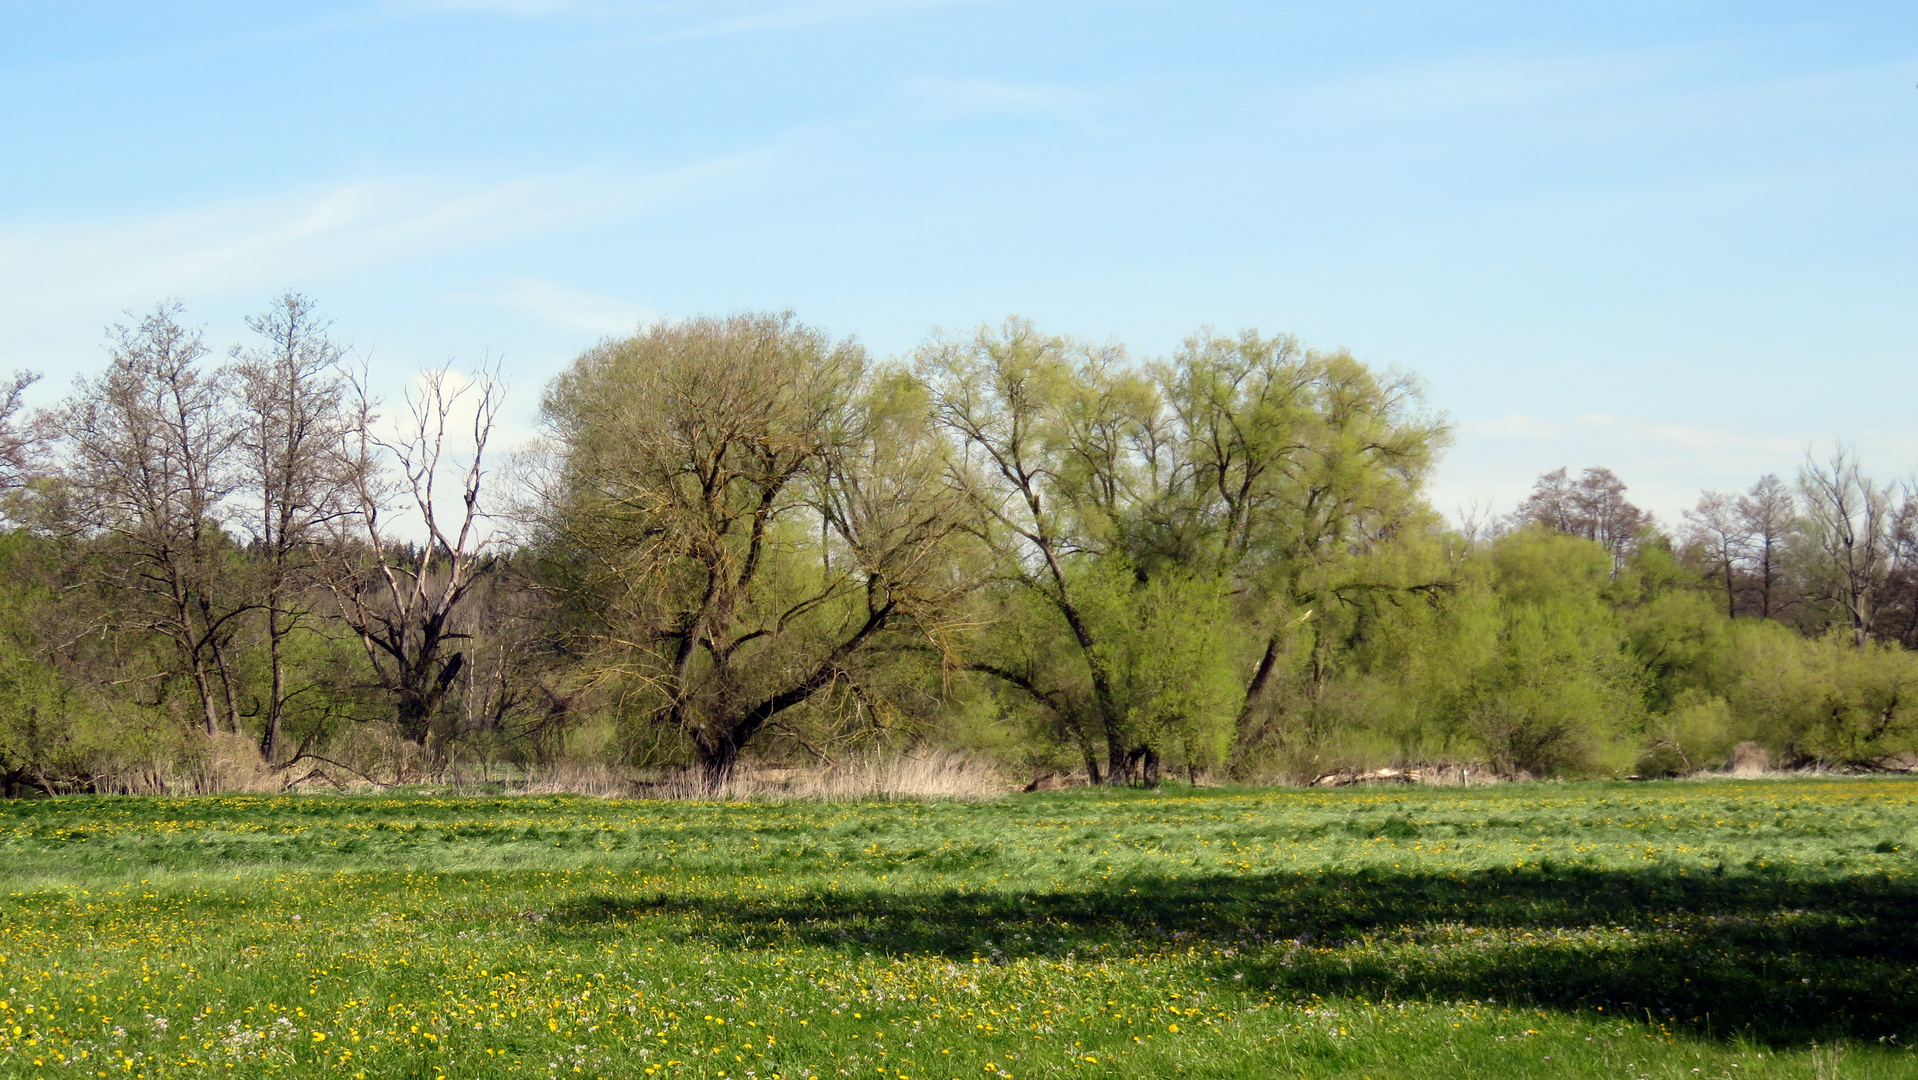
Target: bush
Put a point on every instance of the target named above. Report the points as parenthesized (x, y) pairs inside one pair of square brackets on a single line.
[(1825, 700), (1697, 734)]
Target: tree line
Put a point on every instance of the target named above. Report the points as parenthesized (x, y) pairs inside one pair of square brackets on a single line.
[(743, 538)]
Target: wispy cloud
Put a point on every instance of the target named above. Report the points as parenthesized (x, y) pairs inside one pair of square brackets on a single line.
[(87, 269), (1709, 88), (1465, 83), (571, 309), (987, 97)]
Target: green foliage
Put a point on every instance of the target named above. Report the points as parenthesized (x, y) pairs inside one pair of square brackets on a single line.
[(1698, 732), (1556, 695), (749, 533), (1162, 641), (44, 732), (760, 513), (1824, 699), (1244, 487), (1559, 692), (1535, 566), (1681, 642), (1518, 660)]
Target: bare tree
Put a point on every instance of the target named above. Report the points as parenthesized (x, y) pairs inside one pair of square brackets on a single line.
[(1551, 504), (400, 599), (300, 471), (1594, 507), (1849, 521), (1476, 524), (1722, 532), (1768, 513), (151, 460), (18, 439)]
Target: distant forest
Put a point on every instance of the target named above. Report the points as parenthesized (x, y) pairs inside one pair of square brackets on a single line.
[(744, 540)]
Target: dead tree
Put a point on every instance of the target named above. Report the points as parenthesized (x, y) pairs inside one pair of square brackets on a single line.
[(401, 598)]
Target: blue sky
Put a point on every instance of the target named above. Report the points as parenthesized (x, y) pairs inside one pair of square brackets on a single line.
[(1674, 238)]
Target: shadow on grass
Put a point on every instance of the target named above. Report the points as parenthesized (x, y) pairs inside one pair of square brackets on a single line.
[(1773, 958)]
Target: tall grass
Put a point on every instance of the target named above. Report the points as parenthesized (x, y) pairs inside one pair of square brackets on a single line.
[(928, 774), (224, 764)]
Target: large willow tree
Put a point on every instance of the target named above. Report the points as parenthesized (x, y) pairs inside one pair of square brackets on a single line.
[(759, 512), (1180, 544)]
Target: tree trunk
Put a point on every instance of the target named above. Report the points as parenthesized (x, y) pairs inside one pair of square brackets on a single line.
[(276, 703), (207, 705), (226, 686), (718, 757), (413, 713), (1255, 691), (1116, 768), (1101, 684), (1142, 765)]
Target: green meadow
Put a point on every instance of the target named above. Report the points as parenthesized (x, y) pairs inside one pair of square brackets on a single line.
[(1674, 929)]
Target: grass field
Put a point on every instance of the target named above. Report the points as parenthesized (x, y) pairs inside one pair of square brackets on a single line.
[(1684, 929)]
